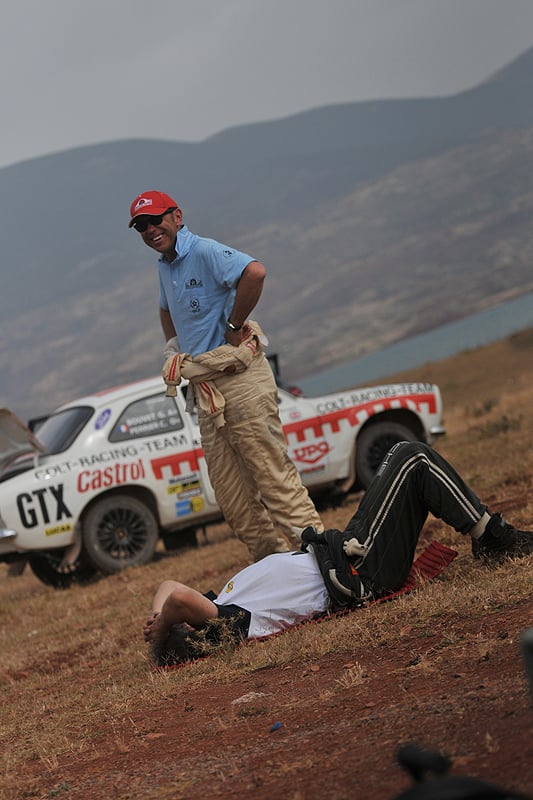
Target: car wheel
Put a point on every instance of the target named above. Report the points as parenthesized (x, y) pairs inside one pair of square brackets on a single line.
[(373, 444), (45, 566), (119, 532)]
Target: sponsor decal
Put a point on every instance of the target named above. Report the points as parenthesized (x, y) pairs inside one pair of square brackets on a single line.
[(65, 467), (114, 475), (197, 504), (166, 443), (54, 470), (110, 456), (340, 410), (377, 393), (185, 507), (143, 201), (102, 419), (57, 529), (311, 453), (172, 463), (191, 478), (229, 587), (42, 506), (186, 489)]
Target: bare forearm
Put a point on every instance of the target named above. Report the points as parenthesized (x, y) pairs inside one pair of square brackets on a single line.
[(169, 331), (246, 298), (173, 603), (248, 292), (163, 591)]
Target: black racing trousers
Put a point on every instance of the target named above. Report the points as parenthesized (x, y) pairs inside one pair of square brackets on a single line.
[(412, 481)]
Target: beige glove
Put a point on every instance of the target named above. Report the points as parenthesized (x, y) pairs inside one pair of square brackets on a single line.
[(172, 373), (171, 347)]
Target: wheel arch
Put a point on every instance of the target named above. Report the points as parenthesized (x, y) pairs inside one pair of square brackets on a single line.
[(390, 426), (140, 493), (403, 416)]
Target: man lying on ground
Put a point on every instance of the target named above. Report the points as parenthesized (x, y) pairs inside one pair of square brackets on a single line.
[(369, 559)]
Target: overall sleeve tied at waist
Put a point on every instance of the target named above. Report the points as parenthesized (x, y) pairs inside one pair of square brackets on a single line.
[(205, 368)]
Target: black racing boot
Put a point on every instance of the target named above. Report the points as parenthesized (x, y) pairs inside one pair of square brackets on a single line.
[(501, 540)]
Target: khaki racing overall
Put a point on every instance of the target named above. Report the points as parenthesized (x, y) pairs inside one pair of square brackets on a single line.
[(258, 487)]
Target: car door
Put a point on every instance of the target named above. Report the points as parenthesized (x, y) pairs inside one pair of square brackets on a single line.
[(162, 433), (190, 412), (311, 445)]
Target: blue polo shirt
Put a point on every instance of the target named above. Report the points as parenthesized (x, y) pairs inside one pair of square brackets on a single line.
[(198, 289)]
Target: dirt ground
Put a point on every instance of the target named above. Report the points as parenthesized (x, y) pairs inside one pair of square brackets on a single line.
[(325, 727), (315, 732)]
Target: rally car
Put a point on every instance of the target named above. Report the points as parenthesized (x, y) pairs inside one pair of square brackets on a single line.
[(95, 485)]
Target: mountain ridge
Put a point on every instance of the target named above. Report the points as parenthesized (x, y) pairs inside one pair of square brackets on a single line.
[(376, 220)]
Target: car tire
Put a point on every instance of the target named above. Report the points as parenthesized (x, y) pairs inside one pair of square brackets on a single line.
[(119, 532), (373, 444), (45, 566)]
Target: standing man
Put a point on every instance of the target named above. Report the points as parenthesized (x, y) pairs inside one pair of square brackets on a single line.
[(207, 291)]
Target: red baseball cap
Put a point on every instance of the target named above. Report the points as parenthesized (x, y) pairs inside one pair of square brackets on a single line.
[(151, 204)]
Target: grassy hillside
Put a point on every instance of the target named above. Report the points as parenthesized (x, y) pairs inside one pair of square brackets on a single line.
[(372, 218), (83, 716)]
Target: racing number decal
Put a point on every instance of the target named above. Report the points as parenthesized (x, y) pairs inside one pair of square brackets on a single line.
[(42, 506)]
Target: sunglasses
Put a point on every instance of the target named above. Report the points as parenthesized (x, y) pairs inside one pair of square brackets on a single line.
[(142, 225)]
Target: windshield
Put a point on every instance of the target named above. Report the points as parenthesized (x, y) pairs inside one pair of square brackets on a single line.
[(58, 431)]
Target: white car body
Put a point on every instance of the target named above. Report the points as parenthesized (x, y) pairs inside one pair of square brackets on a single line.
[(134, 441)]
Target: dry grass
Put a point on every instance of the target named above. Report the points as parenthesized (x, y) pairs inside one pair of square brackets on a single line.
[(74, 665)]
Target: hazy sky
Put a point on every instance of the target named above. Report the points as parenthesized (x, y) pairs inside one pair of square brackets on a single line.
[(74, 72)]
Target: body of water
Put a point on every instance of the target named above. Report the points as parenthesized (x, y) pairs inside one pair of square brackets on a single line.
[(482, 328)]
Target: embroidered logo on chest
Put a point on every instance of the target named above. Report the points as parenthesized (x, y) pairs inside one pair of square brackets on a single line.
[(194, 283)]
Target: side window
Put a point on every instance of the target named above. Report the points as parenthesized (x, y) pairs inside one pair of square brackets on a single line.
[(147, 417)]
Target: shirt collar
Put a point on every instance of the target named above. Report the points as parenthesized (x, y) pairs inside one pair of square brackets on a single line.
[(184, 242)]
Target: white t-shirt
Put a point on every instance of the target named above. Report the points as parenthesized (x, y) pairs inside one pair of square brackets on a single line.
[(279, 591)]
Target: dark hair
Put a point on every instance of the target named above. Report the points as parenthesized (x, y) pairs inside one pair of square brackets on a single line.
[(183, 643), (180, 644)]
